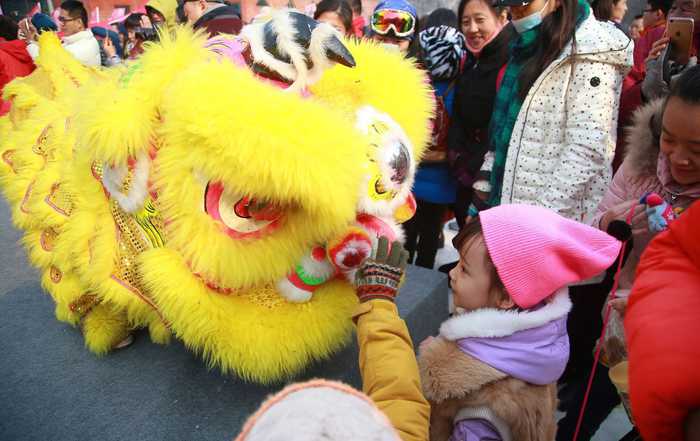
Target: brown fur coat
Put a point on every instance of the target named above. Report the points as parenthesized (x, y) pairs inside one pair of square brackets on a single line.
[(453, 380)]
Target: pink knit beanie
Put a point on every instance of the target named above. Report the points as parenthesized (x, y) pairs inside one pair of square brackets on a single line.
[(536, 251)]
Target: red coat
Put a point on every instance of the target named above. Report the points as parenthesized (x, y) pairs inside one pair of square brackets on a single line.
[(662, 325), (14, 62)]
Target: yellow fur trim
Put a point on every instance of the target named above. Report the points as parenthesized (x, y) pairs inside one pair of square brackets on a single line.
[(119, 120), (103, 327), (388, 82), (64, 289), (272, 161), (256, 334)]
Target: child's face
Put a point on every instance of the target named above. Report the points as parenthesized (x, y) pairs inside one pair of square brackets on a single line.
[(471, 282)]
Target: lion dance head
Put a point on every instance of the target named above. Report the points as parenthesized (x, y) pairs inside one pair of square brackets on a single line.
[(189, 196)]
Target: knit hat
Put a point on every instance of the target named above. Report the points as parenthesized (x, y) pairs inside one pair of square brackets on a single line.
[(43, 23), (536, 251), (318, 409), (443, 47)]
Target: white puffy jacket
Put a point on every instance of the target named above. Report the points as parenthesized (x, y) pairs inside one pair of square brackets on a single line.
[(563, 141), (82, 45)]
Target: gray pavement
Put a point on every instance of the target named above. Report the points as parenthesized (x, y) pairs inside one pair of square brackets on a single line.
[(14, 267)]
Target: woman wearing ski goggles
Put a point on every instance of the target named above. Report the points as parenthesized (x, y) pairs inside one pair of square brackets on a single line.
[(393, 24)]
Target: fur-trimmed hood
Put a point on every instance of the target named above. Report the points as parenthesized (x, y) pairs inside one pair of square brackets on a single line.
[(642, 138), (643, 154), (530, 345), (483, 346), (490, 323)]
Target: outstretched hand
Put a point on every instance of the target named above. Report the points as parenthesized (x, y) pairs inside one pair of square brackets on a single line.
[(379, 276)]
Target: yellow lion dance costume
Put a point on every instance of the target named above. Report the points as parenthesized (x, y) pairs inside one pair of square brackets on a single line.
[(186, 196)]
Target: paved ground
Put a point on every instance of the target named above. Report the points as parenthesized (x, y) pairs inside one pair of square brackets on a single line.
[(14, 268)]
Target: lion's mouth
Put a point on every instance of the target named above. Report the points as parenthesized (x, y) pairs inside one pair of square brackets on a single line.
[(241, 216)]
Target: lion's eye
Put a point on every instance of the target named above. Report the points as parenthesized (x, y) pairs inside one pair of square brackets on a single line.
[(398, 161), (241, 216)]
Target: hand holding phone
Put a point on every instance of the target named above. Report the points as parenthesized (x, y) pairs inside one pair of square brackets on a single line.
[(680, 33)]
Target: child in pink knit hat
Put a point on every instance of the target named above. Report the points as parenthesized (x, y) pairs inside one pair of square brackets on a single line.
[(492, 371)]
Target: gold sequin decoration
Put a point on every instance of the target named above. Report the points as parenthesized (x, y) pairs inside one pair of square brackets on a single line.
[(41, 146), (7, 157), (55, 274), (84, 304), (48, 239), (96, 169), (60, 200), (130, 230), (266, 296)]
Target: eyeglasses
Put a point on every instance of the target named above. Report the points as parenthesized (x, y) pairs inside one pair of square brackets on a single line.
[(66, 19), (401, 22)]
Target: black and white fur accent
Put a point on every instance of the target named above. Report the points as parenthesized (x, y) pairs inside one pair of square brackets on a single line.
[(296, 47)]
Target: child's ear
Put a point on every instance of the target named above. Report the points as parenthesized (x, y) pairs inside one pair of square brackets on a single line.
[(505, 302)]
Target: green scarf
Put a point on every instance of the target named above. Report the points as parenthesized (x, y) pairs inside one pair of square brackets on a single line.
[(508, 103)]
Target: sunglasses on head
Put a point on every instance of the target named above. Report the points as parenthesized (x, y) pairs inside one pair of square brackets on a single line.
[(401, 23)]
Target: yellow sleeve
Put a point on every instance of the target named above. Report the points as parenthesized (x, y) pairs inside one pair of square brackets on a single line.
[(389, 369)]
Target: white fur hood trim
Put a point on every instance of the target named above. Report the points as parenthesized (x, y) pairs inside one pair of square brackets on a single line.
[(492, 323)]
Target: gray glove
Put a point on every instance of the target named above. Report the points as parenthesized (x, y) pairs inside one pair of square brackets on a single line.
[(659, 78)]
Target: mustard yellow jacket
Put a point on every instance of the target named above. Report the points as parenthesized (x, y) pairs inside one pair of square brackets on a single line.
[(389, 369)]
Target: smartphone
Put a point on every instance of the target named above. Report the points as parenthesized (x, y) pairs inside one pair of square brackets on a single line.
[(680, 32)]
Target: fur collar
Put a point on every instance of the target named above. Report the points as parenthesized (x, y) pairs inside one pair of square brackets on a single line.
[(642, 138), (447, 372), (498, 323)]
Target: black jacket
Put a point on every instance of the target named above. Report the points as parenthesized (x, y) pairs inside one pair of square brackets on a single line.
[(475, 95)]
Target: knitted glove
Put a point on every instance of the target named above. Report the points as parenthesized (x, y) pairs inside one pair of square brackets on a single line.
[(659, 212), (379, 276), (661, 74)]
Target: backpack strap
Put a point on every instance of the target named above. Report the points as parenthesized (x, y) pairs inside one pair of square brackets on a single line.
[(486, 414)]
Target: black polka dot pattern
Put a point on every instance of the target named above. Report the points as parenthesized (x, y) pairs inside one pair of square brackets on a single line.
[(562, 145)]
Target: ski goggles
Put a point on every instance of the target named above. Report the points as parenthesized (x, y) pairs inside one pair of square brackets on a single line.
[(402, 23)]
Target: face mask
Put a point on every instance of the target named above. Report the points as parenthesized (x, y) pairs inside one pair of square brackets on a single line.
[(526, 23), (390, 47)]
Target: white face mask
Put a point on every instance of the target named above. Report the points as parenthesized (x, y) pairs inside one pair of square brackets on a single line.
[(390, 47), (526, 23)]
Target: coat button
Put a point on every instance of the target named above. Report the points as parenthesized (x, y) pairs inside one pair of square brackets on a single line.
[(595, 81)]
